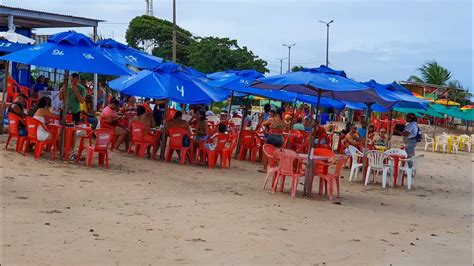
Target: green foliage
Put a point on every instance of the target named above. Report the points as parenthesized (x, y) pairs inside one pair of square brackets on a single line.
[(432, 73), (296, 68), (209, 54), (212, 54), (146, 32)]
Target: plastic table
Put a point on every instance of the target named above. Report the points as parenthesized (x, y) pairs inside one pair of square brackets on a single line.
[(396, 160)]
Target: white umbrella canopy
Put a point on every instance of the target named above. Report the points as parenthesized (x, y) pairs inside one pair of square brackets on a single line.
[(14, 37)]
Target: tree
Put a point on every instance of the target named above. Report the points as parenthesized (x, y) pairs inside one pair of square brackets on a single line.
[(212, 54), (296, 68), (432, 73), (151, 33)]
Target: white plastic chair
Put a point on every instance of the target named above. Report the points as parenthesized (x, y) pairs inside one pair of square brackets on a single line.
[(429, 141), (409, 168), (214, 119), (355, 155), (377, 163), (236, 121), (465, 142), (394, 151), (441, 141)]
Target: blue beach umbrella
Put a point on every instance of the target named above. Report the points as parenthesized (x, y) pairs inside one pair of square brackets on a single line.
[(395, 92), (9, 47), (321, 82), (126, 55), (169, 81), (68, 50)]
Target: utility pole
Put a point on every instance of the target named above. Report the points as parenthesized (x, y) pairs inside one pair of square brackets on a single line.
[(174, 31), (281, 64), (327, 39), (289, 54)]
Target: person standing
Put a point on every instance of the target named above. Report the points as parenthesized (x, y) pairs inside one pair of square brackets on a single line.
[(410, 134), (76, 94)]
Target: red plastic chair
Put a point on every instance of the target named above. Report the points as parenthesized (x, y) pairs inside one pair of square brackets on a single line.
[(248, 144), (12, 89), (142, 139), (320, 168), (103, 137), (176, 136), (106, 125), (32, 125), (294, 139), (329, 178), (341, 145), (288, 166), (272, 167), (212, 155), (228, 151), (304, 146), (13, 127)]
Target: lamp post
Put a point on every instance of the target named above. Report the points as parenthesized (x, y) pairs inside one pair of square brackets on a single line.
[(174, 31), (281, 64), (327, 39), (289, 54)]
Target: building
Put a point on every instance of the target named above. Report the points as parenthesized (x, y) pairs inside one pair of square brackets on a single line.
[(24, 21)]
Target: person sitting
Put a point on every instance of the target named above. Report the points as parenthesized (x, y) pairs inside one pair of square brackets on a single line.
[(363, 129), (320, 135), (370, 134), (381, 139), (299, 124), (39, 85), (221, 129), (89, 111), (307, 124), (129, 108), (18, 108), (353, 138), (178, 122), (147, 120), (275, 126), (110, 119), (42, 112)]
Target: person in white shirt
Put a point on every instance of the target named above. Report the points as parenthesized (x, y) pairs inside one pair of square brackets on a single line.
[(409, 135)]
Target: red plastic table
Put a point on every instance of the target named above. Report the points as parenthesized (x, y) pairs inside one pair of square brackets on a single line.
[(303, 157), (68, 138), (396, 160)]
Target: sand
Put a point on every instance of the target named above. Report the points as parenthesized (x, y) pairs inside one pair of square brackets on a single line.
[(144, 212)]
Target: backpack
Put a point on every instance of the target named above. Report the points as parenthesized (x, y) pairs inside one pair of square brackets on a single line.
[(418, 136)]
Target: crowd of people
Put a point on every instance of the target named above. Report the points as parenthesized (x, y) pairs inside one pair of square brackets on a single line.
[(119, 114)]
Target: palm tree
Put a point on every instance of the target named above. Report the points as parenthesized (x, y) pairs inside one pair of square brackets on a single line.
[(432, 73)]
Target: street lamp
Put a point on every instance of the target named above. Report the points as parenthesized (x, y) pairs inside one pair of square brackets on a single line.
[(327, 39), (281, 64), (289, 54), (174, 32)]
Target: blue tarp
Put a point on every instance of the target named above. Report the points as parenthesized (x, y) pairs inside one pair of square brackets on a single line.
[(169, 81), (71, 51)]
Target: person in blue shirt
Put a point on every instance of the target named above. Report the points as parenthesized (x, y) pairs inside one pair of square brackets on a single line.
[(299, 124), (325, 118), (40, 84), (363, 129)]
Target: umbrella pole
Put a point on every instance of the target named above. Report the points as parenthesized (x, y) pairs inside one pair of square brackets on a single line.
[(229, 116), (242, 125), (4, 94), (367, 117), (389, 129), (291, 122), (435, 124), (309, 167), (63, 118), (163, 132), (467, 127)]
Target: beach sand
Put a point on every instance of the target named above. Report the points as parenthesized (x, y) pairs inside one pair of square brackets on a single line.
[(143, 212)]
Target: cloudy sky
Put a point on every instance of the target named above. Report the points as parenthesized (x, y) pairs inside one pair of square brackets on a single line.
[(381, 39)]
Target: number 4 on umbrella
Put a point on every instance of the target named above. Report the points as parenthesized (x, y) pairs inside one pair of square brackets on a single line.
[(180, 90)]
